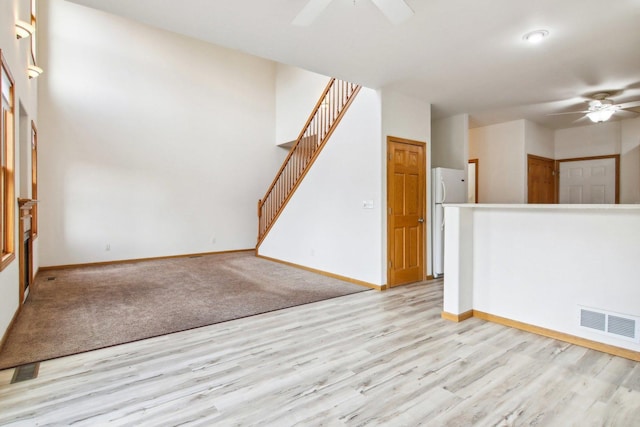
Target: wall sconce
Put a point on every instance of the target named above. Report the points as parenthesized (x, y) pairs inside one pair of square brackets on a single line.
[(24, 29), (34, 71)]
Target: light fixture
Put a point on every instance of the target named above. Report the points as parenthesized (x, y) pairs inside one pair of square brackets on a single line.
[(24, 29), (601, 115), (535, 37), (34, 71), (601, 109)]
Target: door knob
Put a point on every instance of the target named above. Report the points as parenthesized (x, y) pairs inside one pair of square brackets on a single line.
[(420, 220)]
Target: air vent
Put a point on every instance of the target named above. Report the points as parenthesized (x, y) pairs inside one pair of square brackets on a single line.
[(621, 326), (25, 372), (611, 324), (593, 320)]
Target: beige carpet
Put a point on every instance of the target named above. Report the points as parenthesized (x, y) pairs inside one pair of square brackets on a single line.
[(75, 310)]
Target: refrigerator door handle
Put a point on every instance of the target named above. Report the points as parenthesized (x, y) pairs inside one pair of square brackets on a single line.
[(442, 225), (444, 191)]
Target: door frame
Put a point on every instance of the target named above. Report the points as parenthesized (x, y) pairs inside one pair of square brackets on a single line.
[(423, 240), (616, 157), (476, 163)]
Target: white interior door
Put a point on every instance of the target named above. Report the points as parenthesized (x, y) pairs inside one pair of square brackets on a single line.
[(588, 181)]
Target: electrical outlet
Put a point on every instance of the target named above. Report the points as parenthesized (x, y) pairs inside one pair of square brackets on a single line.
[(108, 247)]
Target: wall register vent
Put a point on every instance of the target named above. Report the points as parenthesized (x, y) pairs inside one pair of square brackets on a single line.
[(612, 324)]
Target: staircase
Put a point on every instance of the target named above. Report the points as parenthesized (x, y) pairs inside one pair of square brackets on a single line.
[(324, 119)]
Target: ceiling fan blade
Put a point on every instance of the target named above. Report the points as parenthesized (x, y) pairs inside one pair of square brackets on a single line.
[(627, 113), (632, 104), (568, 112), (396, 11), (310, 12)]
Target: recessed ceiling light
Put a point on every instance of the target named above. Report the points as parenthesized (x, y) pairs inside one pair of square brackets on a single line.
[(536, 36)]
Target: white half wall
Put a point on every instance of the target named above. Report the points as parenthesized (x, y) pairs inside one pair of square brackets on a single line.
[(500, 150), (537, 264), (325, 226), (151, 143), (297, 92)]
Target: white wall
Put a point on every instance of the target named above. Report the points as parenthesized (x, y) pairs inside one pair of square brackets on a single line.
[(450, 142), (16, 54), (150, 142), (500, 150), (630, 161), (593, 140), (538, 140), (324, 225), (409, 118), (297, 92)]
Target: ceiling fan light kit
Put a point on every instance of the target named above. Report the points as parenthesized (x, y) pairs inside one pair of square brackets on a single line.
[(600, 115), (602, 108)]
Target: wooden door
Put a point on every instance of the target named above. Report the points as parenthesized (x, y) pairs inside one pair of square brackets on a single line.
[(589, 180), (541, 177), (405, 211)]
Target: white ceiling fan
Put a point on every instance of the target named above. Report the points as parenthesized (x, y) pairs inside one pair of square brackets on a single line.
[(396, 11), (601, 108)]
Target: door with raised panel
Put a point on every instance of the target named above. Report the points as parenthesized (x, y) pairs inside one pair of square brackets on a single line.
[(541, 185), (592, 181), (405, 211)]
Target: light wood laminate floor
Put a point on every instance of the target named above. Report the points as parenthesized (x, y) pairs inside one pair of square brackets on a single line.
[(373, 358)]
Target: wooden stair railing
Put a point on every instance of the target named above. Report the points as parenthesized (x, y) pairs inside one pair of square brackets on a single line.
[(324, 119)]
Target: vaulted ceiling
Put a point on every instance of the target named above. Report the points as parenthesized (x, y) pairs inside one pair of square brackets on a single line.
[(463, 56)]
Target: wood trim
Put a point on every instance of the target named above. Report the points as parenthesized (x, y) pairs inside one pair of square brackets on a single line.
[(7, 234), (578, 159), (6, 260), (34, 179), (397, 140), (337, 121), (406, 141), (300, 136), (13, 321), (25, 209), (327, 274), (475, 162), (457, 317), (127, 261), (572, 339), (430, 277)]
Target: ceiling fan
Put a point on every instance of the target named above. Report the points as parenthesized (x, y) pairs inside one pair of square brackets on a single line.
[(396, 11), (601, 108)]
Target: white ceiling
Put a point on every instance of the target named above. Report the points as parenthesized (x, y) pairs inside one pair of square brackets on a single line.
[(463, 56)]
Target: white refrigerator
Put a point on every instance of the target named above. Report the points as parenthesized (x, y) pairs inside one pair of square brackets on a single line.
[(448, 186)]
